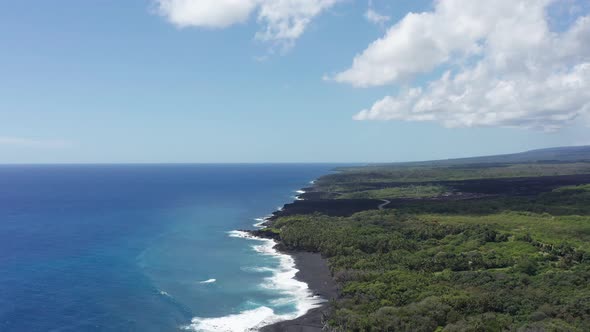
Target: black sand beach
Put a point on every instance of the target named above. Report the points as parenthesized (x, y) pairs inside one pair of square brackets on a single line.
[(313, 270)]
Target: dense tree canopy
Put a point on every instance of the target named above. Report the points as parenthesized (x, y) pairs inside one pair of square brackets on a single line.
[(496, 263)]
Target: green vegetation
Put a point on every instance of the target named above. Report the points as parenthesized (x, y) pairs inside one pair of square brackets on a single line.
[(572, 230), (584, 188), (499, 262), (561, 201), (413, 191), (469, 273), (363, 178)]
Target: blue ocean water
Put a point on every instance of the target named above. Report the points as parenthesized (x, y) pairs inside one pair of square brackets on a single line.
[(141, 247)]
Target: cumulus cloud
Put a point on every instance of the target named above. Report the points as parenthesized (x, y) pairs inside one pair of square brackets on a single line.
[(285, 20), (505, 66), (282, 21), (33, 143), (477, 98), (206, 13)]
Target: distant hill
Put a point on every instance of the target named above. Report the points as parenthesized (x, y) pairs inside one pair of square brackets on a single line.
[(550, 155)]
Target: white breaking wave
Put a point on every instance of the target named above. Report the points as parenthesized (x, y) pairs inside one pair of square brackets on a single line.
[(299, 193), (208, 281), (257, 269), (259, 224), (249, 320), (240, 234), (282, 281), (260, 221)]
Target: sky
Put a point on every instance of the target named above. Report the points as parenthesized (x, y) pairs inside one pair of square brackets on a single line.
[(247, 81)]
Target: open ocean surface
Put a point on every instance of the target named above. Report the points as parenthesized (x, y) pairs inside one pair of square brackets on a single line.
[(144, 247)]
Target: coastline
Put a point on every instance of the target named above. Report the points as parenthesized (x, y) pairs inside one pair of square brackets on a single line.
[(286, 280), (304, 278), (312, 269)]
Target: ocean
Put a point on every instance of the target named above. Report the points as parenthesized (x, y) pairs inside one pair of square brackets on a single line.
[(145, 247)]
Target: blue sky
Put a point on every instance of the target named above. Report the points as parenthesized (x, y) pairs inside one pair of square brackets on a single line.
[(122, 81)]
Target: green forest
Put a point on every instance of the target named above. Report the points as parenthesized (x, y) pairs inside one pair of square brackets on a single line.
[(509, 260)]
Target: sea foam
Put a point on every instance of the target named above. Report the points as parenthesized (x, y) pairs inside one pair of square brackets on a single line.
[(241, 234), (299, 193), (281, 281), (257, 269), (249, 320), (261, 221), (208, 281)]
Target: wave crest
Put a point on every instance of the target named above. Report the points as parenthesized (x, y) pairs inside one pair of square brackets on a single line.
[(282, 281), (208, 281), (249, 320)]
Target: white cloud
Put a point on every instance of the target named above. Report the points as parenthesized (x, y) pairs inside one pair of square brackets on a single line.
[(282, 21), (206, 13), (420, 42), (505, 67), (285, 21), (374, 17), (476, 98), (33, 143)]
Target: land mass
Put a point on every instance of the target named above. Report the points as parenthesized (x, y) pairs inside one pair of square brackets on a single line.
[(498, 243)]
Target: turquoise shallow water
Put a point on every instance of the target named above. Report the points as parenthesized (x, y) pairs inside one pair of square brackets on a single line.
[(143, 248)]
